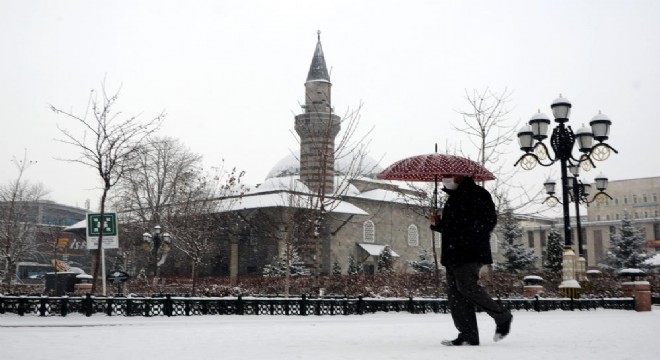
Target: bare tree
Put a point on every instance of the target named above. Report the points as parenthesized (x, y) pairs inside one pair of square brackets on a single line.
[(489, 131), (194, 220), (108, 143), (154, 179), (18, 218)]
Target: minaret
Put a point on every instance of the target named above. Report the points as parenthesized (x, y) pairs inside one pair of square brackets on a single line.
[(317, 127)]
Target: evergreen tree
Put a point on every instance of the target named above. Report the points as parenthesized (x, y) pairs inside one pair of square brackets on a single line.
[(336, 268), (353, 267), (424, 263), (386, 261), (555, 252), (628, 247), (516, 257), (279, 265)]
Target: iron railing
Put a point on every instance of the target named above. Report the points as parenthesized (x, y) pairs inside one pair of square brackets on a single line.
[(168, 305)]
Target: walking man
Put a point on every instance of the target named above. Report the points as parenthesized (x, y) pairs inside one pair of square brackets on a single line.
[(468, 217)]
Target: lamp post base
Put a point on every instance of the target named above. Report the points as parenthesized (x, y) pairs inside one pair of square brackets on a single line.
[(569, 287)]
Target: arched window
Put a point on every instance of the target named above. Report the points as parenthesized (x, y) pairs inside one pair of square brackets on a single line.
[(413, 235), (369, 230), (493, 243)]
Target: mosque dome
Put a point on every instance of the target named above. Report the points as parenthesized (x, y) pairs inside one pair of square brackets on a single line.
[(290, 165)]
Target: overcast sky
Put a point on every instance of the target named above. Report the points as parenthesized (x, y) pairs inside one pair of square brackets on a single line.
[(230, 74)]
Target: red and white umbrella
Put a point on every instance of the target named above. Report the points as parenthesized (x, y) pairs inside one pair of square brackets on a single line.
[(434, 167)]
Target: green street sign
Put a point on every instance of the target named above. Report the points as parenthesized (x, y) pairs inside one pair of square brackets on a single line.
[(109, 227)]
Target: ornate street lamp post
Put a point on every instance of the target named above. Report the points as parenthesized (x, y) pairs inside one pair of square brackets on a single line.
[(579, 194), (159, 246), (562, 141)]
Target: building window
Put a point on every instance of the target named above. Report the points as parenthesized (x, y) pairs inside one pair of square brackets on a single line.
[(598, 245), (369, 229), (612, 230), (625, 200), (597, 217), (413, 235), (530, 239), (543, 238), (617, 216), (253, 238), (644, 200), (634, 199), (494, 243), (646, 214), (616, 201), (655, 197), (656, 231)]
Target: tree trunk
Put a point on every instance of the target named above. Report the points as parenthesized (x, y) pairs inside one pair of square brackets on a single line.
[(194, 277), (99, 248)]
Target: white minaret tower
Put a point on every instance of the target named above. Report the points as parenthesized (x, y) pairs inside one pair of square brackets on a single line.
[(317, 127)]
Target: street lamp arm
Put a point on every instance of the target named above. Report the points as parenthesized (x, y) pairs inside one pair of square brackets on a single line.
[(529, 160), (597, 197)]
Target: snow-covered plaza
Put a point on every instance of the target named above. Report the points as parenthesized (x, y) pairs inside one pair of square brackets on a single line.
[(596, 334)]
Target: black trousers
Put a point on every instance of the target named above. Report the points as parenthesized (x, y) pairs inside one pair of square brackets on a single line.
[(464, 293)]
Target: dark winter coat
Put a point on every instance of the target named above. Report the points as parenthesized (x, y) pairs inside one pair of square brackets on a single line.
[(468, 218)]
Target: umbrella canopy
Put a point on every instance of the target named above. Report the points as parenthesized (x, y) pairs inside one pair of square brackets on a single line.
[(433, 167)]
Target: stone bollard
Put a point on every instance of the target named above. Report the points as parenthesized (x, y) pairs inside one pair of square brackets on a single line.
[(641, 291), (637, 289), (530, 291), (533, 285)]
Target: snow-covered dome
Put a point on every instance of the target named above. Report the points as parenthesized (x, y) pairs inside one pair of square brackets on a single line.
[(290, 165)]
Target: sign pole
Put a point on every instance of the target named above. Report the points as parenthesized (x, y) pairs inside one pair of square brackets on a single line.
[(103, 267), (107, 227)]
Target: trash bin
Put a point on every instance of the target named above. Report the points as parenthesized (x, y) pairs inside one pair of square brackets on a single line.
[(533, 285), (83, 284)]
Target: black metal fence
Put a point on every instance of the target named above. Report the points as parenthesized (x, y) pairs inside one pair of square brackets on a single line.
[(168, 305)]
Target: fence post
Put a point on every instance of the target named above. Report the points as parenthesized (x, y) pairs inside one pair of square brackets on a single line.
[(360, 306), (88, 306), (147, 307), (168, 305), (21, 306), (129, 307), (537, 306), (42, 306), (239, 305), (108, 304), (64, 306), (303, 305), (187, 308)]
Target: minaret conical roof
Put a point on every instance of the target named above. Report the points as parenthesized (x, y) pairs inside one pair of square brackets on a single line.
[(318, 71)]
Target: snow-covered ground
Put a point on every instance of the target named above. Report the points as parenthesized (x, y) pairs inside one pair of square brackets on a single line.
[(599, 334)]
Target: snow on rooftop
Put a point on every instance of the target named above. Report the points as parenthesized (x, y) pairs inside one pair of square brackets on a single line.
[(282, 198), (375, 250), (290, 165), (631, 272), (654, 261)]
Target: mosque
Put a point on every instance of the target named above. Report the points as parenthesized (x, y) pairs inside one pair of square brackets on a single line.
[(330, 208)]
